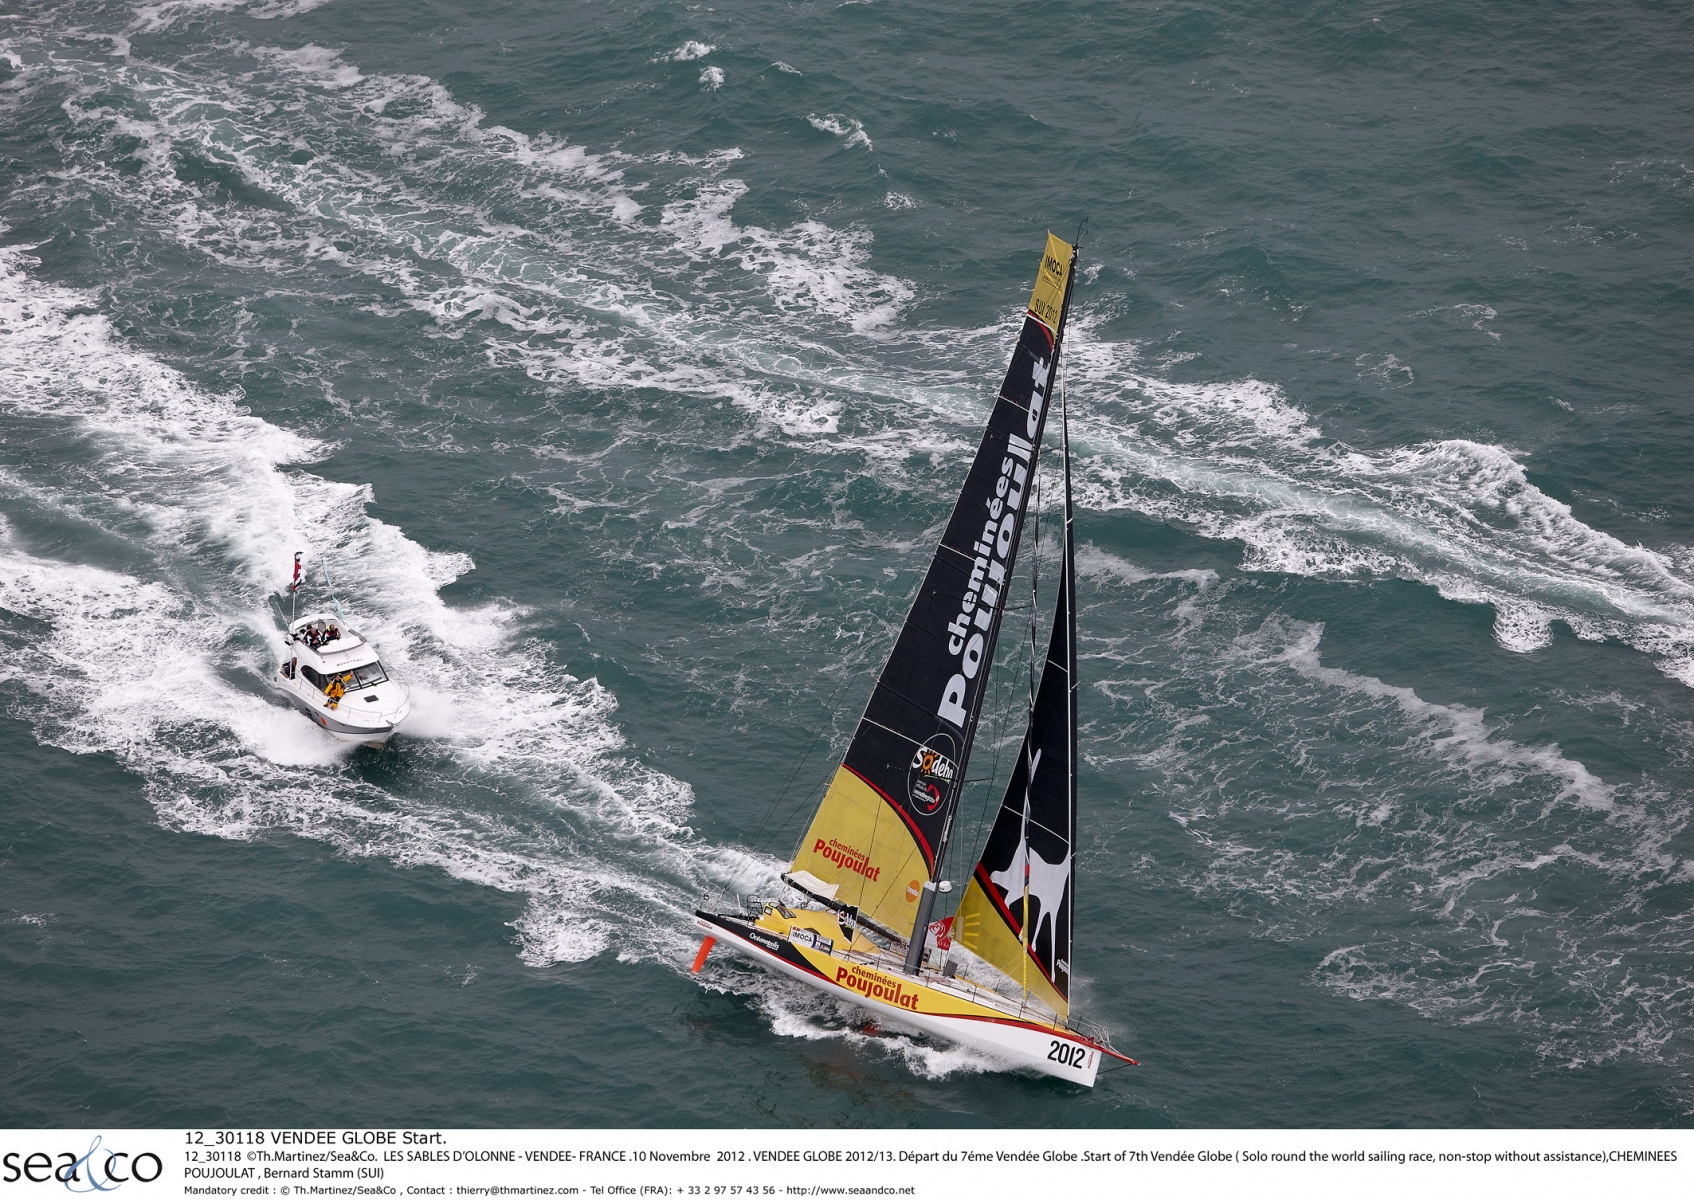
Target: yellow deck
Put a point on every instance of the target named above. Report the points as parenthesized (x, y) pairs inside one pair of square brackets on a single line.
[(879, 975)]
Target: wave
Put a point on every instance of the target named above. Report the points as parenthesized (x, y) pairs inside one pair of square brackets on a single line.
[(1239, 461), (540, 239), (159, 654), (1503, 879), (847, 128)]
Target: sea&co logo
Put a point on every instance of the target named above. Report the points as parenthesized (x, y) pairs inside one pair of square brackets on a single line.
[(97, 1169)]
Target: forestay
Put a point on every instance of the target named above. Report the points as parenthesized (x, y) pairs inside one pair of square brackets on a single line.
[(1016, 912), (880, 834)]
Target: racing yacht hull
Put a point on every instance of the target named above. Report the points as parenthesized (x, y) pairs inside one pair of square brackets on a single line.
[(950, 1008)]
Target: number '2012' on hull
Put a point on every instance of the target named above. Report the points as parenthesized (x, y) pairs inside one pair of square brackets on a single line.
[(950, 1008)]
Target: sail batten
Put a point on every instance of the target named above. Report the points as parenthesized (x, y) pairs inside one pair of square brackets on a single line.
[(910, 747)]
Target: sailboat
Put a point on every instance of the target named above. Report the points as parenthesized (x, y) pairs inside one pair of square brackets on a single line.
[(870, 867)]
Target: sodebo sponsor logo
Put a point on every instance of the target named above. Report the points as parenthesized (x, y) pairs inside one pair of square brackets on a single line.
[(931, 774), (96, 1169), (988, 574)]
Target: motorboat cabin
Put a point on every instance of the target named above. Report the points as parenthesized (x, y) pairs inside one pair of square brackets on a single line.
[(336, 678)]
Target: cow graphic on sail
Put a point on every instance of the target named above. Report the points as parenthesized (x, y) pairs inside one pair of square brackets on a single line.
[(1031, 878)]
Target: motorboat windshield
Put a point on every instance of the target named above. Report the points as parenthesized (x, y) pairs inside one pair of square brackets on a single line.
[(368, 675), (352, 679)]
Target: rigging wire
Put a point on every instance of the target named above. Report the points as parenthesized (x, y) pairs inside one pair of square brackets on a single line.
[(1115, 1066), (1035, 575), (793, 771), (986, 793), (1037, 500)]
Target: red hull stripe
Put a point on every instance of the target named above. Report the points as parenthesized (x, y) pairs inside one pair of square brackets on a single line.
[(923, 842), (801, 960)]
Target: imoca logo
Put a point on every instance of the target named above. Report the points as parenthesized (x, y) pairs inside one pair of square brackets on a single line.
[(95, 1170)]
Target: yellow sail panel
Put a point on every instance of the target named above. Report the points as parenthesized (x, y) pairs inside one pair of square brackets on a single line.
[(985, 932), (1047, 302), (864, 844)]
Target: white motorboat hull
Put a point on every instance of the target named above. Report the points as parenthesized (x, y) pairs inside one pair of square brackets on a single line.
[(330, 721), (321, 649)]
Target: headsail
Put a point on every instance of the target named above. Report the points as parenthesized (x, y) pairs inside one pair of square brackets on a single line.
[(1016, 912), (882, 828)]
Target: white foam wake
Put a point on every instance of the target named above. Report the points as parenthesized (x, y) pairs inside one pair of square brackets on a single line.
[(1238, 460), (549, 247), (160, 661)]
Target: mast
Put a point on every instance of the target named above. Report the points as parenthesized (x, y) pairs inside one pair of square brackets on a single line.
[(926, 905), (877, 843), (1068, 616)]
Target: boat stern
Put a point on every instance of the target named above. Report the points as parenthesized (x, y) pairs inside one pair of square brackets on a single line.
[(812, 947)]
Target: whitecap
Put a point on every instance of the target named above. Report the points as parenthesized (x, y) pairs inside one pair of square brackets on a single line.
[(687, 52), (841, 126)]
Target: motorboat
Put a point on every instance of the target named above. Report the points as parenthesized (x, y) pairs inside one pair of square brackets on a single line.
[(333, 675)]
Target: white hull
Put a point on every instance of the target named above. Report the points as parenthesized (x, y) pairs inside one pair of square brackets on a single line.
[(1015, 1042), (331, 721), (321, 658)]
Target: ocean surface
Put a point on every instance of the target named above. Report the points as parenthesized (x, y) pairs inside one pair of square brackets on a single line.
[(622, 361)]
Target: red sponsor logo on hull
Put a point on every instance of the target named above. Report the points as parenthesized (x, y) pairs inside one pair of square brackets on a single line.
[(876, 987)]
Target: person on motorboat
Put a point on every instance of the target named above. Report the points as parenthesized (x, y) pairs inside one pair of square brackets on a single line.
[(310, 684)]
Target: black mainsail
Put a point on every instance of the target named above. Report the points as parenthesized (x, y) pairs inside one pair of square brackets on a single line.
[(1016, 912), (879, 838)]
